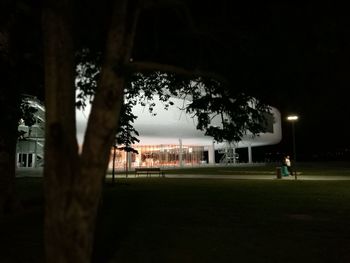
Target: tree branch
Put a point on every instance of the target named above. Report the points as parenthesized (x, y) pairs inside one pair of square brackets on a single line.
[(143, 66)]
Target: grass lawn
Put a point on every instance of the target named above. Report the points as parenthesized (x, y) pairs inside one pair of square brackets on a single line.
[(174, 220), (200, 220)]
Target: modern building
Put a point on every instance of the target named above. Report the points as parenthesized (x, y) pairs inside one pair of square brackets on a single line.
[(30, 146), (169, 138)]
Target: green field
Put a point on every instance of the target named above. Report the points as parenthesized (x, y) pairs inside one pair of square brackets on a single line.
[(201, 220)]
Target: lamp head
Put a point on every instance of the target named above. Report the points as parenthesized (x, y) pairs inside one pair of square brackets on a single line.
[(292, 118)]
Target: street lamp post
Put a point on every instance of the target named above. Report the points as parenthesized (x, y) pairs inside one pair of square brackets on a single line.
[(293, 119)]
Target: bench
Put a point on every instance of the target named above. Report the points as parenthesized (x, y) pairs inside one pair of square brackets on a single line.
[(148, 171)]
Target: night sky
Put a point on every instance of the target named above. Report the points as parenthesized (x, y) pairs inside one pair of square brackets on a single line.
[(305, 67), (318, 94)]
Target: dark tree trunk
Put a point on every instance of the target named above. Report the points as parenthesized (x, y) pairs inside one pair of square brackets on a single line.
[(63, 238), (8, 199), (9, 109), (73, 183)]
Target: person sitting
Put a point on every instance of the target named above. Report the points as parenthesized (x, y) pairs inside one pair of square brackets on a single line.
[(284, 168)]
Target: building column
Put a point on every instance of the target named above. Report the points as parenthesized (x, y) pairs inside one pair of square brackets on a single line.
[(129, 160), (211, 154), (35, 152), (166, 152), (180, 153), (234, 154), (250, 156)]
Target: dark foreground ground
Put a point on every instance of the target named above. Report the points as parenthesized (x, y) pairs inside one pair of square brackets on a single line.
[(200, 220)]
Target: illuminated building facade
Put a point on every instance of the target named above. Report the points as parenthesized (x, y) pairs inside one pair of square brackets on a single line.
[(169, 138), (162, 155)]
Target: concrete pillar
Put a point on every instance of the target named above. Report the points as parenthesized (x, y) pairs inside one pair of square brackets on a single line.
[(211, 154), (128, 160), (250, 157), (166, 152), (234, 154), (35, 152), (180, 153)]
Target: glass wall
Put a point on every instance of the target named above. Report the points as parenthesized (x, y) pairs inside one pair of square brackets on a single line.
[(159, 156)]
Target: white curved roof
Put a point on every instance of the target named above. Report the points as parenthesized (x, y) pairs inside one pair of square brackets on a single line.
[(168, 126)]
